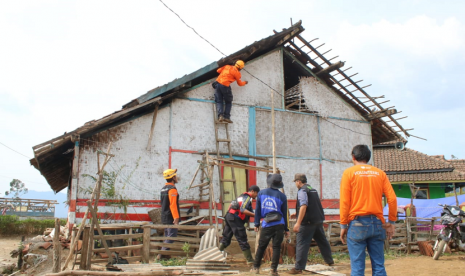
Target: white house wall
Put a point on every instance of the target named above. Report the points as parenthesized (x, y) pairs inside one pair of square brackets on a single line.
[(267, 68)]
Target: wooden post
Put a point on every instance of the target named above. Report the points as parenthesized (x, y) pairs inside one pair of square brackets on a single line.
[(154, 118), (130, 242), (84, 248), (456, 198), (20, 255), (56, 248), (146, 245), (73, 238), (273, 131)]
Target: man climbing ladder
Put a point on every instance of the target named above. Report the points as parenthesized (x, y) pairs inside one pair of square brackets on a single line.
[(228, 75)]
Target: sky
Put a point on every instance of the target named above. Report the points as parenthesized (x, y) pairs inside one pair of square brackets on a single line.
[(64, 63)]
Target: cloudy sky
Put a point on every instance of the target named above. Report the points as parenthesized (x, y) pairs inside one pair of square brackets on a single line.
[(63, 63)]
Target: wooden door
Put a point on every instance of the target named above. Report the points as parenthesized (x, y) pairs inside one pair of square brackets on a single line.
[(241, 185)]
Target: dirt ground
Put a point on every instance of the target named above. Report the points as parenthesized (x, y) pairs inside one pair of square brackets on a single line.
[(412, 265)]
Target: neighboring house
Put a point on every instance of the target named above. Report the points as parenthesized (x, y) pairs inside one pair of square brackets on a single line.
[(434, 176), (318, 121)]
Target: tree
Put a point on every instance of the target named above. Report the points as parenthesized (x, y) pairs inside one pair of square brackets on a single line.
[(17, 187)]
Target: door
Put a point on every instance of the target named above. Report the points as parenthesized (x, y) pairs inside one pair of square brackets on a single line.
[(228, 188)]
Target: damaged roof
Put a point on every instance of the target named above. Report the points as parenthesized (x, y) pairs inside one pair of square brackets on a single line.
[(54, 158)]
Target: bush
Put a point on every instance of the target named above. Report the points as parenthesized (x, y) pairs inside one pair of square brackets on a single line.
[(11, 225)]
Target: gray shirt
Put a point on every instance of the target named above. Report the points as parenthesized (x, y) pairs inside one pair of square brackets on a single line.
[(302, 197)]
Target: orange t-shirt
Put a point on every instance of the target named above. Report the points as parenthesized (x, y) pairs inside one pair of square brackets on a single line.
[(362, 189), (228, 75)]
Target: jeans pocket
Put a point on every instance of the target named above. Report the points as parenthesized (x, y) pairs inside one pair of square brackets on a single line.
[(380, 233), (357, 231)]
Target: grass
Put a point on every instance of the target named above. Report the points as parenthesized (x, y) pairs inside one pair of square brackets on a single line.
[(173, 261)]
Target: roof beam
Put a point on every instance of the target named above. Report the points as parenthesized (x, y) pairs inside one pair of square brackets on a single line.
[(380, 114)]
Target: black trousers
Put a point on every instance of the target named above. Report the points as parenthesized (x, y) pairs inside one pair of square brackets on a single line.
[(234, 226), (223, 93), (304, 239), (276, 233)]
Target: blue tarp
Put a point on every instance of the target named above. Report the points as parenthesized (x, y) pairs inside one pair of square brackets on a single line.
[(427, 208)]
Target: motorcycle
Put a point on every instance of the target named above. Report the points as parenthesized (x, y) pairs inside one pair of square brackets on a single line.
[(453, 234)]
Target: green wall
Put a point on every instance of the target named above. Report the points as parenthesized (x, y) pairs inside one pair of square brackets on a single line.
[(403, 190)]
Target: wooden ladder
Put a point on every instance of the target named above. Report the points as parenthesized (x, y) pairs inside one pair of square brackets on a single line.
[(218, 156)]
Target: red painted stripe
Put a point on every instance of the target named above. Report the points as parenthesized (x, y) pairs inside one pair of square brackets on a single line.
[(72, 206), (252, 174), (321, 180), (131, 217)]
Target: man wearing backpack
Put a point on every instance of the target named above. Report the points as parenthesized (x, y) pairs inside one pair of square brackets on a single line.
[(271, 206), (309, 225), (238, 214)]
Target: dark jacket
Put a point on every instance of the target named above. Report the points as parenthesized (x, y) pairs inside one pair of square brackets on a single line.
[(314, 213), (167, 205)]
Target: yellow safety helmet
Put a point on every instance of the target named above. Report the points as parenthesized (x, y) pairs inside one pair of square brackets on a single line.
[(239, 64), (169, 173)]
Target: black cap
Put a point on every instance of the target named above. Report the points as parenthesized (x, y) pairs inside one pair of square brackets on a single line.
[(275, 181)]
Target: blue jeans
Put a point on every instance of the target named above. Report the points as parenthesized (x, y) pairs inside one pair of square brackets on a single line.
[(223, 93), (366, 232)]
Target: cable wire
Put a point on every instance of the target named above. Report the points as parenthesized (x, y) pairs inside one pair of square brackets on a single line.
[(15, 151)]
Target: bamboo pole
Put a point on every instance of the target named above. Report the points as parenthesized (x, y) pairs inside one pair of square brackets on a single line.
[(273, 132), (56, 248), (456, 198)]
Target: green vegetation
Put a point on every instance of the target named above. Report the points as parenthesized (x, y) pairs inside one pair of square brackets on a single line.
[(173, 261), (11, 225)]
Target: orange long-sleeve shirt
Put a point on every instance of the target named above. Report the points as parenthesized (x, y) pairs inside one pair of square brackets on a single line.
[(173, 196), (228, 75), (361, 191)]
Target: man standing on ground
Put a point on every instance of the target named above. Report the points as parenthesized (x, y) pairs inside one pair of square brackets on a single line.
[(309, 225), (238, 214), (361, 210), (228, 75), (272, 207), (169, 205)]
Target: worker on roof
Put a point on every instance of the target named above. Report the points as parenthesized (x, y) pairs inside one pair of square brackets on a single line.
[(169, 198), (222, 85), (238, 214)]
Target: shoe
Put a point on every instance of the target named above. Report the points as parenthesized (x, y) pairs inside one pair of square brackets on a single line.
[(255, 270), (330, 264), (248, 256), (274, 272), (227, 121), (222, 247), (295, 271), (220, 119)]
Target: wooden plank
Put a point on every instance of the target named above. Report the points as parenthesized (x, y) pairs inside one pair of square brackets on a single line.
[(182, 239), (180, 227), (173, 245), (129, 259), (171, 252), (119, 248), (119, 237), (192, 219), (160, 272)]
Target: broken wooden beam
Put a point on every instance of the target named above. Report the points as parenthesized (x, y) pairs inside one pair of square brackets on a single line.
[(330, 68), (380, 114)]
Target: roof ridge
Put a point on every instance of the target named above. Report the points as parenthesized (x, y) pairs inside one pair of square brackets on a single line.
[(431, 158)]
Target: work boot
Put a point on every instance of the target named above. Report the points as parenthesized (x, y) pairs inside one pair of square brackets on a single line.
[(295, 271), (255, 270), (222, 246), (248, 256), (274, 272), (227, 121), (220, 119)]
